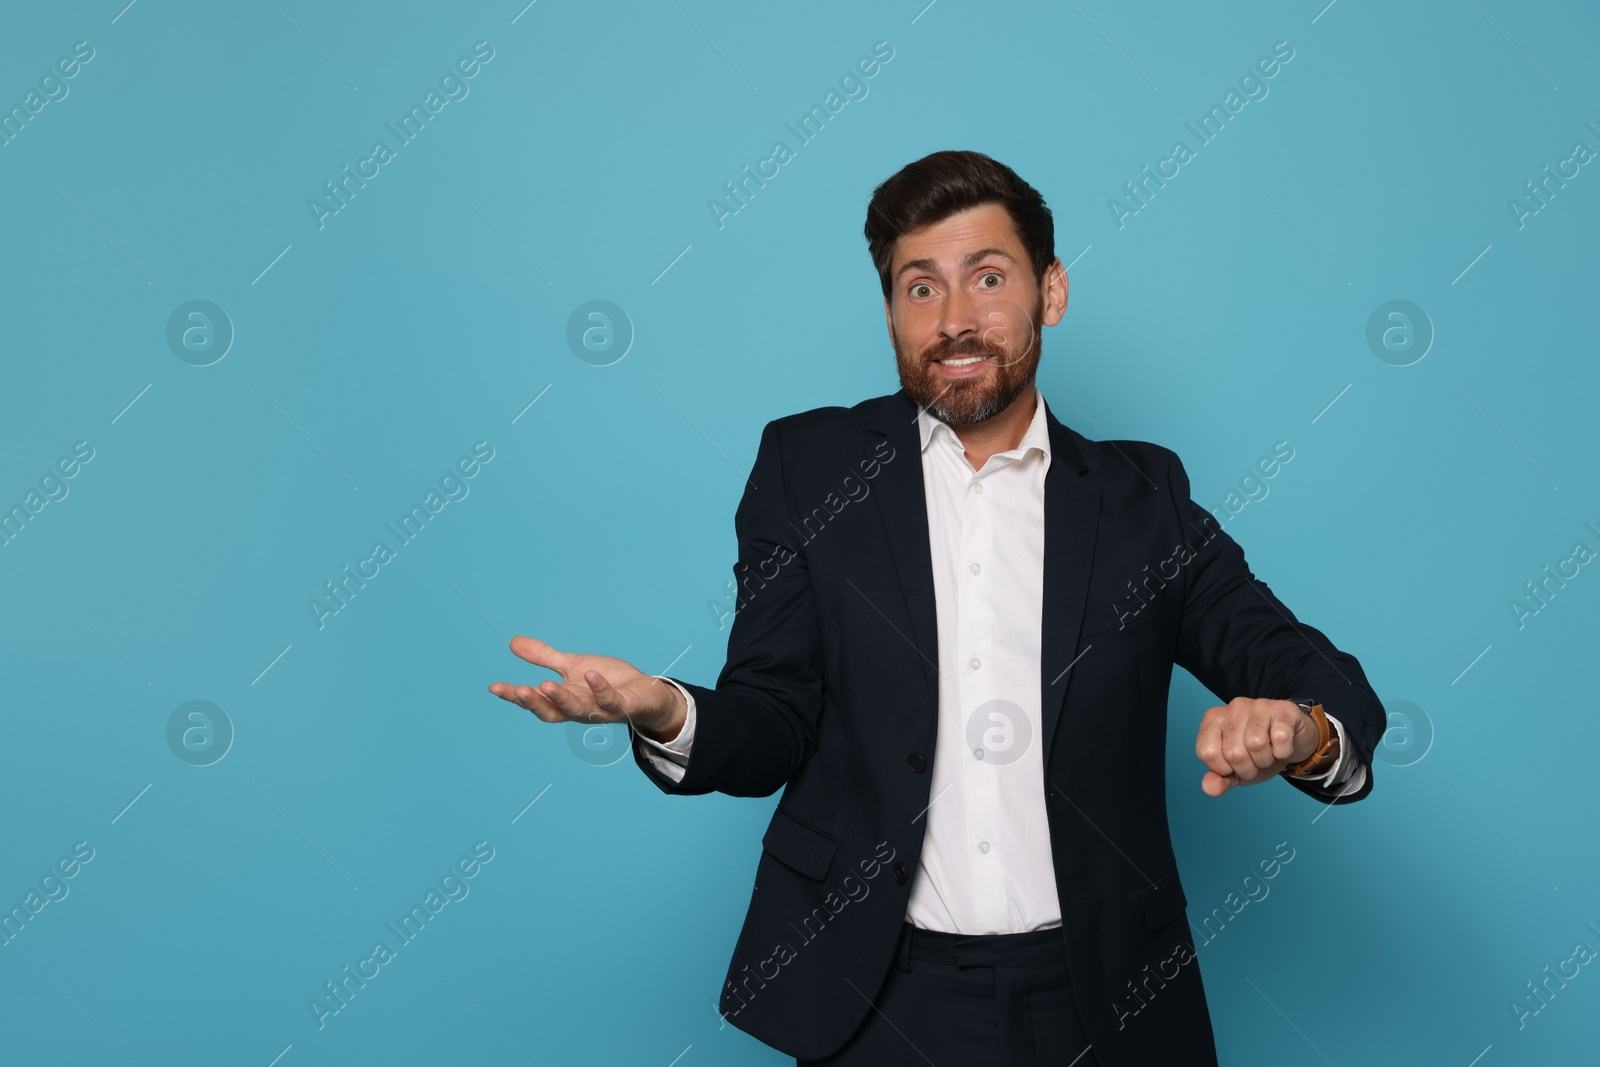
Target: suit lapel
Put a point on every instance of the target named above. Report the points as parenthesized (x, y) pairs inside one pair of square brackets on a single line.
[(903, 506), (1071, 518)]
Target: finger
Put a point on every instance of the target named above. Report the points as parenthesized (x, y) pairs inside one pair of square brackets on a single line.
[(1215, 785), (1283, 727), (1208, 743), (1258, 736), (608, 696), (528, 699), (540, 654), (1234, 747), (571, 703)]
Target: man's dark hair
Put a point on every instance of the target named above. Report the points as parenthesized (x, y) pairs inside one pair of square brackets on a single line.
[(944, 183)]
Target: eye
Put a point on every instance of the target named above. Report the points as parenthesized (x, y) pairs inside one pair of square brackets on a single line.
[(991, 274), (919, 285)]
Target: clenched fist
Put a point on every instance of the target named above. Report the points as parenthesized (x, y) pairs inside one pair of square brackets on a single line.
[(1250, 740)]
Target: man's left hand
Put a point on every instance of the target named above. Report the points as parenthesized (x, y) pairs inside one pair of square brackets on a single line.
[(1250, 740)]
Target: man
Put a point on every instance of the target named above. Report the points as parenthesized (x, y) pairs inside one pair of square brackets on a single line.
[(962, 686)]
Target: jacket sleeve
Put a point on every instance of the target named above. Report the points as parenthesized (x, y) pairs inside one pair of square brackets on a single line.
[(759, 724), (1239, 640)]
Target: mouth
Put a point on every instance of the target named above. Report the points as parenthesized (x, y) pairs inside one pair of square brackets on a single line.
[(962, 366)]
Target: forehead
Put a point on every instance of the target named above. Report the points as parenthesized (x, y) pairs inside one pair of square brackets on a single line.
[(946, 241)]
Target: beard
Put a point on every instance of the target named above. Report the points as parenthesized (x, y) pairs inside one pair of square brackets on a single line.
[(965, 401)]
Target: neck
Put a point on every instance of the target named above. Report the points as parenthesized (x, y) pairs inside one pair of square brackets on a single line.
[(1001, 433)]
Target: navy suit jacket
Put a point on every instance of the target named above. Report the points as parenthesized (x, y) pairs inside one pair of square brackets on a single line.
[(830, 692)]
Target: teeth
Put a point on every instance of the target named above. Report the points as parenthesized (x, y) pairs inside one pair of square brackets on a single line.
[(962, 361)]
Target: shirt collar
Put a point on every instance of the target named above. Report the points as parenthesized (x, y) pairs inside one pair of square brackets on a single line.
[(1036, 436)]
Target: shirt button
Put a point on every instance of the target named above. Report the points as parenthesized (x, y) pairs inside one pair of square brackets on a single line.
[(977, 753), (977, 487), (975, 663), (975, 568), (983, 846)]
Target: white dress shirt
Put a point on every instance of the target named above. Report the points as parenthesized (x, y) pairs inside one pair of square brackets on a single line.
[(986, 864)]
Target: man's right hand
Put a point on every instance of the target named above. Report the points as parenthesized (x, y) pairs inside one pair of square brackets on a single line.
[(596, 689)]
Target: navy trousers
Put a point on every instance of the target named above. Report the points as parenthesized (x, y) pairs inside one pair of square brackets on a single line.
[(957, 1001)]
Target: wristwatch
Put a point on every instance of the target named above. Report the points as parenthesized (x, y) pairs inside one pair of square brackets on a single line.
[(1327, 740)]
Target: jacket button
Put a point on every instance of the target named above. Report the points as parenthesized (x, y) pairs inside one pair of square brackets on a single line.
[(900, 873), (916, 762)]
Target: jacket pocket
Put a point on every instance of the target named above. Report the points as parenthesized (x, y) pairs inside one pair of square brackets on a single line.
[(1164, 901), (798, 846)]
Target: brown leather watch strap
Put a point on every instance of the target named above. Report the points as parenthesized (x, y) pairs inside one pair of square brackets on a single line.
[(1327, 739)]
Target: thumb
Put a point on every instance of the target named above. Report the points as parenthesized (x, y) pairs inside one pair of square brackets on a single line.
[(607, 695), (1214, 784)]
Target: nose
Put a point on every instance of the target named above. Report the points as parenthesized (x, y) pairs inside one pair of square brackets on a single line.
[(959, 315)]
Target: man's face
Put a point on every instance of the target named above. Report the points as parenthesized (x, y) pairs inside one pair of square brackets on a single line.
[(964, 314)]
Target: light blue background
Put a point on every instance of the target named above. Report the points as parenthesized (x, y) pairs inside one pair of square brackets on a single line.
[(1224, 317)]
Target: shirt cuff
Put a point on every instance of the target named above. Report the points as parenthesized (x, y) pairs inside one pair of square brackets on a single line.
[(672, 757), (1347, 775)]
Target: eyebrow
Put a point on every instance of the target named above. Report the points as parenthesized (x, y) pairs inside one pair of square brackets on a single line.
[(967, 261)]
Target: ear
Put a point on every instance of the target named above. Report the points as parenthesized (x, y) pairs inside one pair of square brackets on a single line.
[(1055, 292), (888, 319)]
